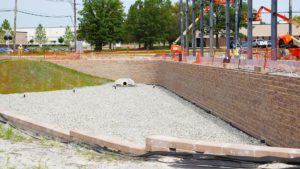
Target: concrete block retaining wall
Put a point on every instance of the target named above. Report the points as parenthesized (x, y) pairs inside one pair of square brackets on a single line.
[(265, 106), (141, 71)]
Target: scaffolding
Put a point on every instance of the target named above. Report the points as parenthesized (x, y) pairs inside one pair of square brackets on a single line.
[(238, 6)]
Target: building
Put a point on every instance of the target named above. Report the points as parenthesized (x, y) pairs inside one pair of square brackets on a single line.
[(21, 38), (52, 33), (264, 31)]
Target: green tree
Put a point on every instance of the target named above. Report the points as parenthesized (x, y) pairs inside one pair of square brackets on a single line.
[(173, 28), (2, 33), (132, 25), (5, 26), (69, 36), (153, 23), (220, 20), (148, 20), (40, 35), (61, 40), (297, 18), (101, 22)]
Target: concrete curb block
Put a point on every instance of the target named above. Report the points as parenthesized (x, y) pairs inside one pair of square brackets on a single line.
[(153, 143), (114, 144), (36, 127), (163, 143)]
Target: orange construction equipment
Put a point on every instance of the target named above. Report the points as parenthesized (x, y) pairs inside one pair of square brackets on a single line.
[(175, 48), (285, 41), (223, 2)]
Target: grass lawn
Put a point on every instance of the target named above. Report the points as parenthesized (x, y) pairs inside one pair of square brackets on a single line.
[(19, 76)]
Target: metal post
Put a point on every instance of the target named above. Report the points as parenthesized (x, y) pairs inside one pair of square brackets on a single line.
[(274, 30), (238, 8), (237, 2), (202, 27), (187, 28), (194, 28), (181, 30), (15, 24), (290, 16), (211, 24), (75, 26), (250, 31), (227, 28)]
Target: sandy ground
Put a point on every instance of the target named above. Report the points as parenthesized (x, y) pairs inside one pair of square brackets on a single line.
[(37, 155), (54, 155)]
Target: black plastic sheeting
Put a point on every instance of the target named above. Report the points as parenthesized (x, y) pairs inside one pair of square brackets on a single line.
[(203, 161)]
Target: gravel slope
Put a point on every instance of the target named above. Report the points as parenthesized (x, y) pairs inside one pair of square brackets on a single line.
[(129, 113)]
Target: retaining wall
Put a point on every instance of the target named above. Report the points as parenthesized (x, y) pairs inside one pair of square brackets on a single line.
[(141, 71), (265, 106)]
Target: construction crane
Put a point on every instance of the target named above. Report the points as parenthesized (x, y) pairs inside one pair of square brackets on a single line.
[(285, 41), (176, 48)]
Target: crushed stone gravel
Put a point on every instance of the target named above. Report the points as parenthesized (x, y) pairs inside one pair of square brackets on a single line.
[(131, 113)]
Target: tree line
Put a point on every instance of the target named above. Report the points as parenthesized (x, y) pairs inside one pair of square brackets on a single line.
[(103, 22)]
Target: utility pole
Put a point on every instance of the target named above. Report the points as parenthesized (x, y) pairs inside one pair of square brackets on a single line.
[(187, 28), (274, 29), (202, 27), (194, 28), (290, 16), (250, 31), (181, 31), (75, 26), (211, 31), (15, 24)]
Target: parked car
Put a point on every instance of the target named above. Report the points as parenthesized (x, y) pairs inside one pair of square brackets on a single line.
[(244, 44), (9, 50), (27, 50), (269, 43), (259, 43), (2, 50), (6, 50)]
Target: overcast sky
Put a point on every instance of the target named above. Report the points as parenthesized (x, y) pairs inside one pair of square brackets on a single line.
[(57, 7)]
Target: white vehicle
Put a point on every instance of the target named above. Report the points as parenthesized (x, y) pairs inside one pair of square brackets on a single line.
[(260, 43)]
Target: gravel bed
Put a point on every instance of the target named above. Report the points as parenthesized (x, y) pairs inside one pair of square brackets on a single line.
[(130, 113)]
